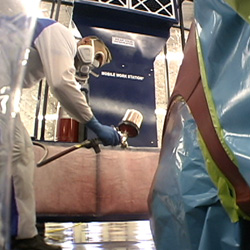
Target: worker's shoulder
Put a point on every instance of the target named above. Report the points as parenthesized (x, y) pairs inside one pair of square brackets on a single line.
[(44, 22), (47, 27), (41, 24)]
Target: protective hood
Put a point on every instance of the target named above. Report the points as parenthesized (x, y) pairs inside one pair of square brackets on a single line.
[(91, 53)]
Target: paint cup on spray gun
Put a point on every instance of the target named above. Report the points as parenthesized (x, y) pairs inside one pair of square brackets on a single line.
[(130, 125)]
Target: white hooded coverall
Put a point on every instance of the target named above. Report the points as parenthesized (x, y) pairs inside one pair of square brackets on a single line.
[(52, 56)]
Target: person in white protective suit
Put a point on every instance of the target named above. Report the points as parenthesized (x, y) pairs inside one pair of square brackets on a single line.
[(55, 55)]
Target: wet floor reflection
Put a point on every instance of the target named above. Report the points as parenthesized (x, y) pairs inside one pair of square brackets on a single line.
[(131, 235)]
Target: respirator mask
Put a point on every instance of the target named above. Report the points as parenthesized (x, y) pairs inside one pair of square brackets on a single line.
[(90, 57)]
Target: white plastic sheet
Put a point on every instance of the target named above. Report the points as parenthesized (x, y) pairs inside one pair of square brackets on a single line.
[(17, 18)]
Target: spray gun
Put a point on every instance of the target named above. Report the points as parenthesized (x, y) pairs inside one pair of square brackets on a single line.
[(127, 128)]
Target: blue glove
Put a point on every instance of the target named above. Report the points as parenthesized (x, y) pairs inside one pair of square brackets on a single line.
[(107, 134)]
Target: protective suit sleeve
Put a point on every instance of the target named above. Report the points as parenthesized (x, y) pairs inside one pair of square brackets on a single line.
[(57, 48), (107, 134)]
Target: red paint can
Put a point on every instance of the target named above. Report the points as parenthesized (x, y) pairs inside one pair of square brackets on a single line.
[(67, 128)]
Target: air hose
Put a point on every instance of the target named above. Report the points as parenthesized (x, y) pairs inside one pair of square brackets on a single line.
[(94, 143)]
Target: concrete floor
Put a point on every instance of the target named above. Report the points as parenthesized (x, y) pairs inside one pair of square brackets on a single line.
[(130, 235)]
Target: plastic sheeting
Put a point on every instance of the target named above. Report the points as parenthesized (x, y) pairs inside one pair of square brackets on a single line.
[(226, 54), (16, 25), (186, 211), (185, 206)]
